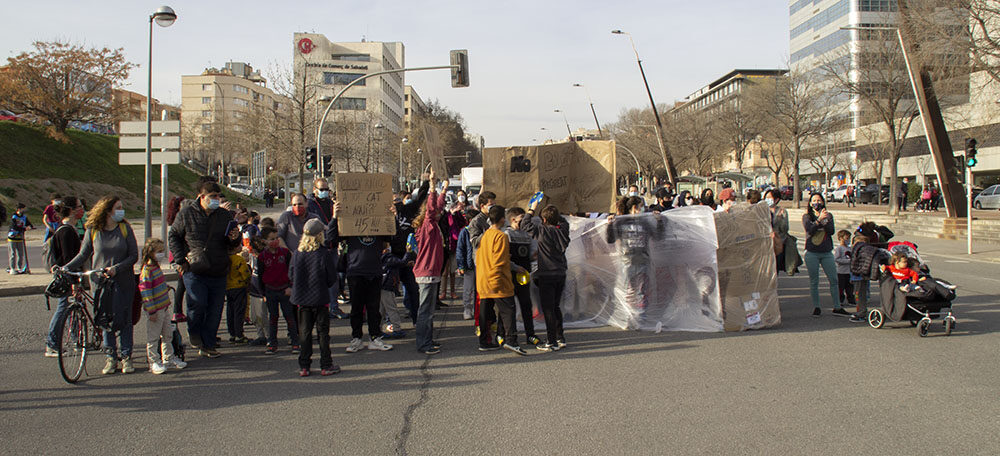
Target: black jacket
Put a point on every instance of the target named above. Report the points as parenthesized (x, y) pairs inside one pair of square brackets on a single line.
[(405, 213), (194, 229), (312, 275), (364, 253), (552, 243)]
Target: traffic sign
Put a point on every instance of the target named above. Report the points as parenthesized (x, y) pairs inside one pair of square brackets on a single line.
[(158, 126), (159, 158), (139, 142)]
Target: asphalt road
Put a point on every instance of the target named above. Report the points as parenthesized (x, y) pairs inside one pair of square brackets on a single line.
[(812, 386)]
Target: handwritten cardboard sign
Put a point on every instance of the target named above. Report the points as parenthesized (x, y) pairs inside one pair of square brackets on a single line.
[(435, 151), (364, 204)]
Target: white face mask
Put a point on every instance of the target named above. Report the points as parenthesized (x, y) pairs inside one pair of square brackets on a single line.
[(633, 193), (769, 201)]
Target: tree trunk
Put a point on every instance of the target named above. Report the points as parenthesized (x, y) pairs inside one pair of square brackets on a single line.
[(796, 191), (893, 185)]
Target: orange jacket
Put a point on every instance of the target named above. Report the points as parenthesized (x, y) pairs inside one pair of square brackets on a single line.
[(493, 273)]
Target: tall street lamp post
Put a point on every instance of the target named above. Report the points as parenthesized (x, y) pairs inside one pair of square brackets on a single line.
[(568, 131), (164, 17), (592, 111), (401, 142), (668, 162), (222, 121)]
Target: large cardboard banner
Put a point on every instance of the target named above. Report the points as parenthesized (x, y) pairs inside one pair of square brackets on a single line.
[(435, 151), (364, 204), (576, 176)]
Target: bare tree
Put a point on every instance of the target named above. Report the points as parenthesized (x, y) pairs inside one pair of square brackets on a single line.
[(297, 126), (692, 136), (739, 122), (777, 157), (634, 129)]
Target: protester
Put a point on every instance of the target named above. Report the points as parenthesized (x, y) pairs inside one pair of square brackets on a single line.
[(451, 224), (708, 198), (313, 271), (664, 201), (200, 243), (784, 244), (273, 262), (237, 285), (391, 265), (269, 198), (320, 204), (50, 216), (156, 303), (428, 265), (842, 256), (727, 197), (290, 222), (407, 209), (466, 269), (904, 189), (523, 251), (819, 227), (364, 279), (496, 286), (684, 199), (111, 243), (16, 247), (551, 231), (753, 196), (635, 234), (65, 245), (865, 260)]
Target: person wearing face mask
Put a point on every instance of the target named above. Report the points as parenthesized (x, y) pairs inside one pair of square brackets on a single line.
[(111, 242), (65, 246), (819, 227), (684, 199), (292, 221), (728, 197), (320, 206), (664, 201), (633, 190), (406, 211), (200, 239), (785, 248), (708, 198)]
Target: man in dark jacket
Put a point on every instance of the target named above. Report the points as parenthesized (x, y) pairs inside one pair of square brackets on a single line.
[(200, 246), (480, 223)]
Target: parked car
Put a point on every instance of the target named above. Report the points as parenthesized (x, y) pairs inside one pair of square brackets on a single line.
[(787, 191), (241, 188), (840, 193), (988, 199), (7, 115), (868, 194)]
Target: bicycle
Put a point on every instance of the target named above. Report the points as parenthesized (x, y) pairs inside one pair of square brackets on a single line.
[(76, 331)]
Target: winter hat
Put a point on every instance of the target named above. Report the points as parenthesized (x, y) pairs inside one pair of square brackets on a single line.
[(727, 194), (312, 227)]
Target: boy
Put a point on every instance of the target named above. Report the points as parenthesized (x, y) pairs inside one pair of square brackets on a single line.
[(842, 257), (273, 262), (391, 268), (19, 223), (466, 268), (523, 249), (494, 284), (551, 231), (237, 283), (865, 259)]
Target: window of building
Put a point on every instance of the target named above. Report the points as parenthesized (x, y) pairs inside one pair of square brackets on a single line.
[(825, 17), (342, 78), (241, 102), (206, 113), (352, 57), (882, 6), (351, 104), (240, 89), (406, 111), (206, 87), (205, 128), (277, 106), (206, 100)]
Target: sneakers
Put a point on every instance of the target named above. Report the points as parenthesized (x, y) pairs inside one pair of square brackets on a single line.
[(157, 368), (334, 369), (209, 352), (355, 345), (516, 349), (127, 366), (394, 334), (109, 366), (270, 350), (488, 347), (340, 314), (561, 344), (51, 352), (176, 363), (304, 373), (295, 349), (466, 315), (435, 344), (816, 312), (547, 347), (431, 351), (534, 340), (239, 340), (179, 318), (840, 311), (377, 344), (858, 317)]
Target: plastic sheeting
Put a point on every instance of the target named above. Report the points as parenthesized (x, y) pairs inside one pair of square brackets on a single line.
[(660, 273)]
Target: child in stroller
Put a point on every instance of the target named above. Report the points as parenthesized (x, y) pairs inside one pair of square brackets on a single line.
[(918, 299)]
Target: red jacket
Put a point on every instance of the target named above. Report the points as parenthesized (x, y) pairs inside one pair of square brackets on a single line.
[(430, 248), (274, 268)]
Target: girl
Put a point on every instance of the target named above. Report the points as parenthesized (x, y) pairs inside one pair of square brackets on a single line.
[(313, 271), (156, 303), (708, 198), (819, 227), (427, 268)]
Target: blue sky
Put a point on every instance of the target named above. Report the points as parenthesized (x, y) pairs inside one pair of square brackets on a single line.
[(524, 55)]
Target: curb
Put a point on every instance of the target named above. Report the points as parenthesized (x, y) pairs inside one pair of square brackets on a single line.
[(33, 290)]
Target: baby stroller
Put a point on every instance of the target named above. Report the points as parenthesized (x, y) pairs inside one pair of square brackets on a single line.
[(918, 303)]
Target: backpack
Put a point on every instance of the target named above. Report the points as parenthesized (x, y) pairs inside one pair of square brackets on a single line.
[(122, 226), (50, 256)]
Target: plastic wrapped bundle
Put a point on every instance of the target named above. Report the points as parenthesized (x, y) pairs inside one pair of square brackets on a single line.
[(748, 280), (658, 272)]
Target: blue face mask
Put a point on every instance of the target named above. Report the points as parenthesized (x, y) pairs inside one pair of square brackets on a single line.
[(323, 194), (213, 204), (118, 215)]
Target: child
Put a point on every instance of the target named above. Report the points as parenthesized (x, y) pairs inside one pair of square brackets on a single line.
[(257, 305), (865, 259), (495, 286), (313, 271), (523, 249), (391, 266), (19, 223), (901, 268), (156, 302), (551, 232), (237, 284), (842, 256), (635, 233), (466, 268), (273, 262)]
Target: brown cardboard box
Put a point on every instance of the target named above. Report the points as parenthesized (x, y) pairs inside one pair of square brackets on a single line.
[(748, 284)]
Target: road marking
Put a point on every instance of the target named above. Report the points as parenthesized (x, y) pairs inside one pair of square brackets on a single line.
[(956, 261)]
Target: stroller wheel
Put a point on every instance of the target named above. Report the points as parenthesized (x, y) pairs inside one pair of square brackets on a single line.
[(949, 325), (875, 318), (923, 326)]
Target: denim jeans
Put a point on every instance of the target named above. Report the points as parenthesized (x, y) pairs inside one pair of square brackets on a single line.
[(50, 341), (205, 296), (425, 315), (469, 291), (124, 336), (411, 292), (814, 261)]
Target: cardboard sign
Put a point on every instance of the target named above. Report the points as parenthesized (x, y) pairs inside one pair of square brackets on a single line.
[(364, 204), (575, 176), (435, 151)]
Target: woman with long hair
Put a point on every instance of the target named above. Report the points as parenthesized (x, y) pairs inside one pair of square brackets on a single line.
[(819, 227), (708, 198), (111, 242), (684, 199)]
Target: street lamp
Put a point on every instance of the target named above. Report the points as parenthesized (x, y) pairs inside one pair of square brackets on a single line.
[(401, 142), (222, 147), (164, 17), (568, 131), (599, 132), (667, 161)]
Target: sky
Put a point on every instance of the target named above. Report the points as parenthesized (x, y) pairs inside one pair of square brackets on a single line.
[(524, 56)]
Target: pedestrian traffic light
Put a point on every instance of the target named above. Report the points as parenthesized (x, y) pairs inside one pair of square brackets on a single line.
[(970, 152), (460, 70), (960, 166), (310, 158), (327, 165)]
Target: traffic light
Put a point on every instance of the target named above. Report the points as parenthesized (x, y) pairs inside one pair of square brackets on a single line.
[(327, 165), (960, 166), (970, 152), (460, 74), (311, 158)]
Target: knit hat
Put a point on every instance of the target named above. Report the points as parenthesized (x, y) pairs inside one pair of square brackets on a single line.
[(312, 227), (727, 194)]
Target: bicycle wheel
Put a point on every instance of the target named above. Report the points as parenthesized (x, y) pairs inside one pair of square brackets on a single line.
[(74, 341)]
